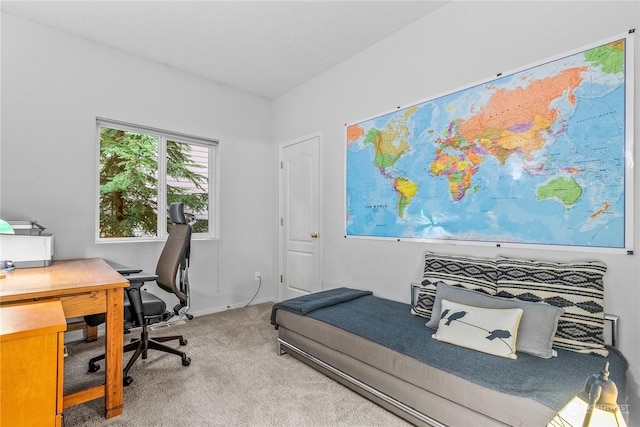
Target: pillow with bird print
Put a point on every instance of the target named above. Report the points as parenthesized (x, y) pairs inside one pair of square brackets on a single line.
[(537, 327), (489, 330)]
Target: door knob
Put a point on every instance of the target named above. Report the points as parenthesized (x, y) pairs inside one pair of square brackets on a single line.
[(314, 235)]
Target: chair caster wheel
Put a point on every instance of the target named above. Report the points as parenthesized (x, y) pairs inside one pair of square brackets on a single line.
[(127, 380), (186, 361), (94, 367), (183, 341)]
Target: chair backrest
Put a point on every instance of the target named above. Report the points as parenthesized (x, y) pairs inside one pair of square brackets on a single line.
[(175, 253), (176, 213)]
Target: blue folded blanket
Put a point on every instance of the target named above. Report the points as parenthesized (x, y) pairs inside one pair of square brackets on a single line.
[(307, 303)]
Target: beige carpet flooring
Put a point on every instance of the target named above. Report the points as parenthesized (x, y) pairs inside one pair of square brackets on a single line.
[(236, 378)]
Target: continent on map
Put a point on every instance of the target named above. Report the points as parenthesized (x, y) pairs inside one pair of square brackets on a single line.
[(512, 121), (406, 190), (610, 57), (566, 191), (390, 144), (458, 168), (354, 132)]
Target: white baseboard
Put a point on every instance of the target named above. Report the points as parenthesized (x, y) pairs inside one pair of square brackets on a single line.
[(78, 335), (231, 307)]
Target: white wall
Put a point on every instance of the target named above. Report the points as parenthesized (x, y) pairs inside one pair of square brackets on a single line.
[(461, 43), (53, 87)]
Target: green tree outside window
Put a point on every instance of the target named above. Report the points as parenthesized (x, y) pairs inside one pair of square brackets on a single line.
[(129, 176)]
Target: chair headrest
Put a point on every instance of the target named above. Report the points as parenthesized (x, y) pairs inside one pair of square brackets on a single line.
[(176, 213)]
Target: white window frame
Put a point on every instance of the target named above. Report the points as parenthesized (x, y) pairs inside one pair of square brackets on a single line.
[(163, 136)]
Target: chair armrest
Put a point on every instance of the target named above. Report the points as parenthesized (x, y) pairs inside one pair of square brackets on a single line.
[(125, 271), (135, 299), (140, 277), (133, 292), (122, 269)]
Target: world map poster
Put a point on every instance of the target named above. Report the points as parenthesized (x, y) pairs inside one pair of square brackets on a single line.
[(540, 156)]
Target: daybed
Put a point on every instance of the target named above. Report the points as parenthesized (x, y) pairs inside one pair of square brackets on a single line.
[(383, 350)]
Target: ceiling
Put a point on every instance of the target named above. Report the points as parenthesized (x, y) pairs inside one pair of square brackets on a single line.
[(262, 47)]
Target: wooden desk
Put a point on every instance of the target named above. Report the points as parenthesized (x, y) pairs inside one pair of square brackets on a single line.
[(31, 363), (84, 286)]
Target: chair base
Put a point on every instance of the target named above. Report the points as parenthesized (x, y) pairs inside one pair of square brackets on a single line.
[(140, 346), (181, 310)]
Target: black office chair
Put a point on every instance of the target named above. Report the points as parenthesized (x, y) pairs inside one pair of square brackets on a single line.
[(142, 308)]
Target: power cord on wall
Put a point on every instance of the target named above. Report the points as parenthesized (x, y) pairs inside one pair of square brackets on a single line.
[(256, 294)]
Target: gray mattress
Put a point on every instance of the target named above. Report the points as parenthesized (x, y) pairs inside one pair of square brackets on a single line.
[(378, 342)]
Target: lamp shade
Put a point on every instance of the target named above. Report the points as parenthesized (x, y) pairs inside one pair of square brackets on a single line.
[(595, 406)]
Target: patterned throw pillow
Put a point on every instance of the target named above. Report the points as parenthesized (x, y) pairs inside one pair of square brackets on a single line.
[(477, 274), (489, 330), (577, 287)]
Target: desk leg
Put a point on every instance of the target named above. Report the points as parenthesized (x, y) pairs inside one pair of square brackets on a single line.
[(114, 342)]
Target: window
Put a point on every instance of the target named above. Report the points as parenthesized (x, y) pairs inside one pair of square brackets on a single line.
[(142, 171)]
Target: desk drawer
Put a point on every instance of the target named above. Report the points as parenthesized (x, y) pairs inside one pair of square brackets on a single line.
[(83, 304)]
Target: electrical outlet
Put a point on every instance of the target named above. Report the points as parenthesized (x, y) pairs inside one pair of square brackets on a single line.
[(257, 275)]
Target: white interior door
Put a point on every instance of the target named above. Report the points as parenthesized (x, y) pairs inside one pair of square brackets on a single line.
[(299, 221)]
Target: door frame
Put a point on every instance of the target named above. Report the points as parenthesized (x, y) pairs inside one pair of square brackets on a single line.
[(281, 148)]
